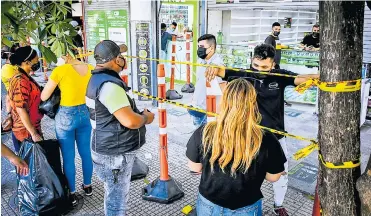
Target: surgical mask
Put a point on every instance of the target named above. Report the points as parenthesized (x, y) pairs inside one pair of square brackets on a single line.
[(60, 61), (276, 33), (316, 34), (35, 67), (201, 52), (79, 32)]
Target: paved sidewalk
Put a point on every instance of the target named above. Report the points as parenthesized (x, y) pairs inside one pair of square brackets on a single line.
[(180, 128)]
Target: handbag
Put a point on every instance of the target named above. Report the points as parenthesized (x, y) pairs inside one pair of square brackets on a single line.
[(50, 106)]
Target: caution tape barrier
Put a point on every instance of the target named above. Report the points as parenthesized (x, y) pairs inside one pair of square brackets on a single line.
[(302, 153), (339, 86)]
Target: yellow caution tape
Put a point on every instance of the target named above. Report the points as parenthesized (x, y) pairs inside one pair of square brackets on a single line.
[(341, 86), (302, 153), (215, 114), (340, 165), (187, 209)]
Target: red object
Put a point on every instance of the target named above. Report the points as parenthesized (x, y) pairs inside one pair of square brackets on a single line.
[(164, 167), (210, 102), (125, 78), (173, 51), (316, 204), (188, 57)]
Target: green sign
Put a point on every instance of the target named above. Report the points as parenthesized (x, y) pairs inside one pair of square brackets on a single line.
[(103, 25)]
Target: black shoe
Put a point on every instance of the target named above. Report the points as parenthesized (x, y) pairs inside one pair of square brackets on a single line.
[(88, 190), (73, 199)]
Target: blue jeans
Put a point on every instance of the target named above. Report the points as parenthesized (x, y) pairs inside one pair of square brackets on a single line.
[(72, 124), (115, 172), (206, 208), (198, 118)]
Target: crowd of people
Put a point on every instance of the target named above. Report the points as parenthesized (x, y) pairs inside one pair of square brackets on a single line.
[(232, 154)]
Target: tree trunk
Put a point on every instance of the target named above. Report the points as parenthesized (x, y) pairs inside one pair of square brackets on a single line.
[(339, 113), (364, 189)]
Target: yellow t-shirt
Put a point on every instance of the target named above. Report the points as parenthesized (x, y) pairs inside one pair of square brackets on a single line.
[(7, 72), (72, 85)]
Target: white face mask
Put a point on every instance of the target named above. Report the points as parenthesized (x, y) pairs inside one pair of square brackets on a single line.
[(60, 61), (79, 32)]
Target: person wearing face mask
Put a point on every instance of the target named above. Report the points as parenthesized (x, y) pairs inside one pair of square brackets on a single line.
[(77, 39), (72, 119), (206, 55), (173, 30), (311, 42), (24, 95), (273, 39), (118, 126), (271, 90)]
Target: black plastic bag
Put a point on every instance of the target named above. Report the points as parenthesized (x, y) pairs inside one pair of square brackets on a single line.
[(40, 191), (50, 106)]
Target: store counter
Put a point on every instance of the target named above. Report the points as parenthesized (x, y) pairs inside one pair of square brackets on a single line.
[(301, 62)]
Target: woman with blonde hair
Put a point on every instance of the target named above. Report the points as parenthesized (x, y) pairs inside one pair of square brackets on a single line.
[(234, 156), (72, 122)]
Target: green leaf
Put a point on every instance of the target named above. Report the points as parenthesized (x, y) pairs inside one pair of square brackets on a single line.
[(6, 41), (49, 55), (51, 40), (54, 28), (42, 34), (69, 51)]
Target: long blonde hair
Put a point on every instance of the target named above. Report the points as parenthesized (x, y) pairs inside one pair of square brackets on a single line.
[(235, 135)]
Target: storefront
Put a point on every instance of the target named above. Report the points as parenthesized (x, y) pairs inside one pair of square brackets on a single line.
[(240, 25), (186, 14)]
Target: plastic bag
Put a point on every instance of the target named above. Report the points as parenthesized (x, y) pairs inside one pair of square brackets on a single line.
[(40, 190), (50, 106)]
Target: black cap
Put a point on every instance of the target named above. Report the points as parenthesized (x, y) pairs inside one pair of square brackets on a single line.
[(107, 50)]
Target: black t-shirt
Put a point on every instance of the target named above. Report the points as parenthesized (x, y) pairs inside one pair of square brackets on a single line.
[(271, 92), (271, 40), (243, 189), (309, 40)]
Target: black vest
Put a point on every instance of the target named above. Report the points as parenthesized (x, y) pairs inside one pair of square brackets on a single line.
[(109, 137)]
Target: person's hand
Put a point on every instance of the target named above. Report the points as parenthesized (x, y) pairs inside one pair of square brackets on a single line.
[(36, 137), (21, 165), (212, 72), (150, 116)]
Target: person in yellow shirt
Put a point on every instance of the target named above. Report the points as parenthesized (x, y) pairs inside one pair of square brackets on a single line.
[(72, 122), (7, 72)]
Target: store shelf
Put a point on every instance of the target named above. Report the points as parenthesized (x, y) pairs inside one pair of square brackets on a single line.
[(245, 26), (240, 35), (244, 18)]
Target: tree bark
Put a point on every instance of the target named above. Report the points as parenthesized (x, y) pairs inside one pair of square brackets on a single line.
[(339, 113), (364, 189)]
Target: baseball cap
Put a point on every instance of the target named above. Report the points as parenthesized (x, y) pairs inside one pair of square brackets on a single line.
[(74, 23), (107, 50)]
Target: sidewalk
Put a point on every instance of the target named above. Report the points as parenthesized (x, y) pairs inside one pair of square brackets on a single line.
[(180, 128)]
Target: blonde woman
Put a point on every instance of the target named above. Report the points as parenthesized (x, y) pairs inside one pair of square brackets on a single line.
[(72, 124), (234, 156)]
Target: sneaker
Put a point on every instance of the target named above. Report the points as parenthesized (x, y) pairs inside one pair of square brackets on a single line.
[(88, 190), (73, 199), (280, 210)]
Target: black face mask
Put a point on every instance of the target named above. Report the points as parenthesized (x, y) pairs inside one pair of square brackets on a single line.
[(276, 33), (35, 67), (201, 52), (316, 34)]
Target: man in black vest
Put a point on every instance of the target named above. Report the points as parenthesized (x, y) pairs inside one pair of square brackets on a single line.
[(118, 126)]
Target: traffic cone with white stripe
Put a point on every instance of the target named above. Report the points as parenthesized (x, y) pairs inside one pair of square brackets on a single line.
[(188, 87), (172, 94), (164, 189)]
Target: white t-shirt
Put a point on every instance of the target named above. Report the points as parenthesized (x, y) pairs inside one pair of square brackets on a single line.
[(113, 97), (199, 96)]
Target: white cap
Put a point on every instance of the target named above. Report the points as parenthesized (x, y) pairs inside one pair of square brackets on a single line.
[(74, 23)]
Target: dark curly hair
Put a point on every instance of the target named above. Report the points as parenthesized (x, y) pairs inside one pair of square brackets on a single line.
[(264, 51)]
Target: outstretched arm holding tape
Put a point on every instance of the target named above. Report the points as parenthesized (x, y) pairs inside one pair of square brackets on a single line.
[(227, 74)]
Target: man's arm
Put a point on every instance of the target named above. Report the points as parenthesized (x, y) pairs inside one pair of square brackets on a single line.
[(212, 72), (21, 165), (305, 77), (270, 40), (120, 107)]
